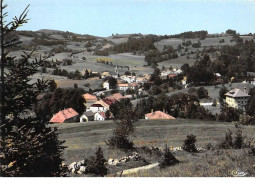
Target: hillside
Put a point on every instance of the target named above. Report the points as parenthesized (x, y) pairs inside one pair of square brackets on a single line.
[(80, 50), (83, 139)]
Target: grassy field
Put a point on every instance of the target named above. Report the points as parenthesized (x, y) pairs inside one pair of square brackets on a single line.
[(176, 63), (83, 139)]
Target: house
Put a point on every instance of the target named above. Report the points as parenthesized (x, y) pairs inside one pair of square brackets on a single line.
[(106, 85), (177, 71), (164, 74), (89, 98), (218, 77), (106, 102), (65, 116), (97, 108), (140, 80), (206, 105), (184, 81), (116, 96), (128, 78), (105, 74), (237, 98), (87, 116), (126, 86), (101, 102), (100, 116), (122, 86), (158, 115), (109, 101)]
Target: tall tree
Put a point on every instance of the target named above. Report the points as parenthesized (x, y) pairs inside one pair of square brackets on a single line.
[(125, 117), (27, 146)]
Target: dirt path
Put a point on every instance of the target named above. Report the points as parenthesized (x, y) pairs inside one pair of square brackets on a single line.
[(136, 170)]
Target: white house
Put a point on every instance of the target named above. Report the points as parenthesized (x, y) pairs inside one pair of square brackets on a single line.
[(178, 71), (184, 81), (106, 85), (125, 86), (128, 79), (165, 73), (99, 116)]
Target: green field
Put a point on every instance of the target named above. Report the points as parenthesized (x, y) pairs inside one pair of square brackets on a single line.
[(83, 139)]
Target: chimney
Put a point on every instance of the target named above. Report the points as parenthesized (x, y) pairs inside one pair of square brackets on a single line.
[(244, 89)]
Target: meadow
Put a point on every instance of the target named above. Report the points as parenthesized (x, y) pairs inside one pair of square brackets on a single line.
[(82, 141)]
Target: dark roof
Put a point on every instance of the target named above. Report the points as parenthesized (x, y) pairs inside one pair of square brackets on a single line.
[(96, 105), (89, 113)]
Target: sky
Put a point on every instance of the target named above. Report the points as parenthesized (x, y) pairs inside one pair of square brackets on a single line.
[(161, 17)]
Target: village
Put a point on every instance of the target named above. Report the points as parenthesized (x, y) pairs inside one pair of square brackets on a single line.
[(98, 108)]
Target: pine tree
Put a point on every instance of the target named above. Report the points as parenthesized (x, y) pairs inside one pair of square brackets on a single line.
[(96, 164), (86, 75), (125, 117), (168, 159), (27, 146)]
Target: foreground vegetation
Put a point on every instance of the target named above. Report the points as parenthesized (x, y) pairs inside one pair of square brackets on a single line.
[(82, 140)]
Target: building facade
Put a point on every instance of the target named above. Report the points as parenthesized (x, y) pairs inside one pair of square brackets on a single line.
[(236, 98)]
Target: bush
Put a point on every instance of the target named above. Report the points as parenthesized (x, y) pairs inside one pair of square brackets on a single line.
[(247, 120), (202, 93), (237, 142), (209, 146), (120, 141), (229, 114), (189, 143), (252, 151), (168, 159), (120, 138), (96, 164), (227, 143)]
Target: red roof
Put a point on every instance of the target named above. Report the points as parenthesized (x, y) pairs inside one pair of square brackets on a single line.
[(116, 96), (109, 101), (88, 96), (171, 75), (158, 115), (63, 115), (102, 114), (123, 85)]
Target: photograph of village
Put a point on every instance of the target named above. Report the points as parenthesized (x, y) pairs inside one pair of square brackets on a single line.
[(125, 104)]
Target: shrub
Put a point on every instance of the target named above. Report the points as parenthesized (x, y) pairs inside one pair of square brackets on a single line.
[(209, 146), (247, 120), (189, 143), (237, 142), (96, 164), (168, 159), (120, 140), (202, 93), (227, 143), (252, 151), (229, 114)]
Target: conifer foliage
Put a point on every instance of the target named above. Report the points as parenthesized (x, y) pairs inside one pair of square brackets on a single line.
[(27, 146), (96, 164), (168, 158)]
